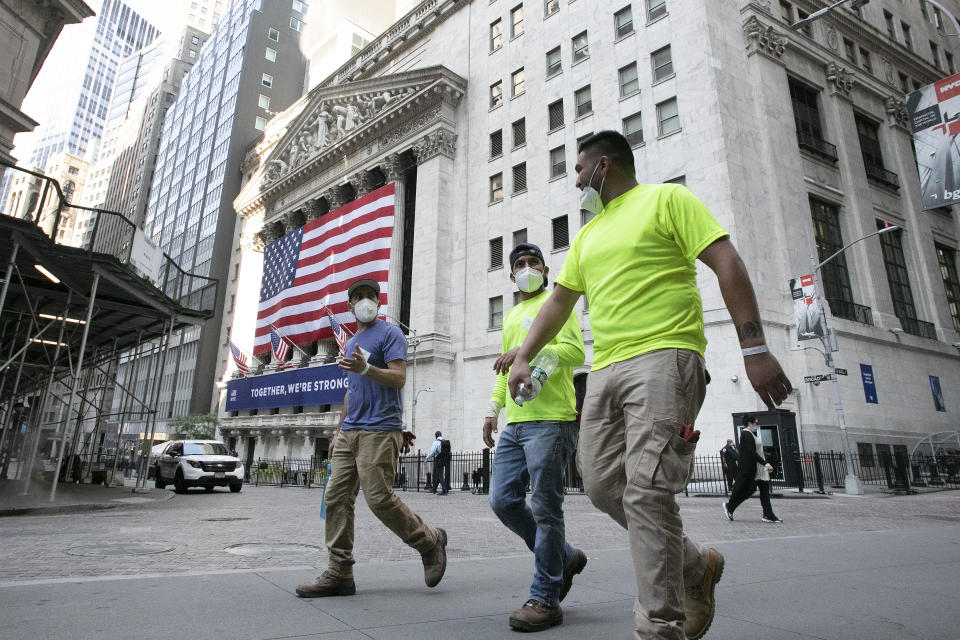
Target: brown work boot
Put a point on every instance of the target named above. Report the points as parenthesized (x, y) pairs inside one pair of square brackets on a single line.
[(435, 560), (577, 563), (698, 604), (328, 584), (535, 616)]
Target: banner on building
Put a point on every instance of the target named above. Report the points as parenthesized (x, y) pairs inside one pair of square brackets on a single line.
[(308, 387), (315, 264), (935, 120), (806, 308), (869, 385), (937, 393)]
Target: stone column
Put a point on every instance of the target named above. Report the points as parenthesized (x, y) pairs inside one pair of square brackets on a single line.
[(334, 197), (361, 183), (392, 167)]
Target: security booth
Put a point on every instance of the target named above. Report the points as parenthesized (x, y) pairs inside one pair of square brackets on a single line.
[(778, 433)]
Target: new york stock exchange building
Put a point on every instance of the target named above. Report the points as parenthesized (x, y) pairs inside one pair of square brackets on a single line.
[(457, 130)]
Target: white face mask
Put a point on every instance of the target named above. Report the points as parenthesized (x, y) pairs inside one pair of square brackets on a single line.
[(528, 280), (590, 198), (365, 310)]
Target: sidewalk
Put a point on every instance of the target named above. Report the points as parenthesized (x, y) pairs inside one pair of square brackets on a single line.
[(71, 497), (882, 585)]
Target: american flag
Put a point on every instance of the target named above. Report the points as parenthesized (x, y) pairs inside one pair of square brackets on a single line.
[(338, 332), (313, 266), (280, 347), (240, 358)]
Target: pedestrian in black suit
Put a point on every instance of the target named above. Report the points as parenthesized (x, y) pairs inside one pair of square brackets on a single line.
[(754, 471), (730, 459)]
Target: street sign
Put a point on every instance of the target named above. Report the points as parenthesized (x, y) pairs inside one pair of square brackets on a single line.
[(817, 379), (840, 372)]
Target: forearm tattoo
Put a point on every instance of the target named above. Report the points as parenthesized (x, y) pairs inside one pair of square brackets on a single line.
[(749, 330)]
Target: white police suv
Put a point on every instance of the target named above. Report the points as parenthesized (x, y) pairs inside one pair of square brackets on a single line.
[(198, 463)]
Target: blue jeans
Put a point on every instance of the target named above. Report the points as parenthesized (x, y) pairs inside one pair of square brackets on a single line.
[(535, 452)]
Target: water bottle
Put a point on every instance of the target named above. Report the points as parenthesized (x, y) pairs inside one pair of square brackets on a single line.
[(540, 369)]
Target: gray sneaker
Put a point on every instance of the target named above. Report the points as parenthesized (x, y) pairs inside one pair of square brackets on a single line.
[(535, 616), (435, 560)]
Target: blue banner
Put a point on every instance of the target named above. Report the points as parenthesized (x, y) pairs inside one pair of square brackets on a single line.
[(869, 387), (937, 394), (312, 386)]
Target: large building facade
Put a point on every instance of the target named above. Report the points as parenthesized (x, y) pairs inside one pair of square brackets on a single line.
[(798, 140)]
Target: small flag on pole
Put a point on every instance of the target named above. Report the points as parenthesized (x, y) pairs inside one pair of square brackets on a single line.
[(338, 332), (240, 358), (280, 347)]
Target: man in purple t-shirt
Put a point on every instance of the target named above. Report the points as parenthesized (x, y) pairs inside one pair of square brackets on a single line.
[(365, 448)]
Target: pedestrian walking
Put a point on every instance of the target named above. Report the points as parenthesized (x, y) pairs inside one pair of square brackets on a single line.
[(365, 449), (754, 473), (440, 454), (729, 458), (534, 447), (635, 261)]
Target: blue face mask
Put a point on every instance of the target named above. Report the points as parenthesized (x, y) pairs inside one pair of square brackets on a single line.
[(590, 199)]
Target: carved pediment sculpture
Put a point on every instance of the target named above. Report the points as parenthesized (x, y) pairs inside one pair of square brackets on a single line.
[(897, 114), (840, 79), (764, 39)]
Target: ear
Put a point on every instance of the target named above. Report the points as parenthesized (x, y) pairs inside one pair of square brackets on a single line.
[(546, 272), (513, 278)]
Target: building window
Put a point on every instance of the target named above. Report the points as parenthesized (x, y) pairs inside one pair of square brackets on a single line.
[(261, 123), (496, 94), (888, 20), (904, 82), (834, 276), (519, 133), (581, 50), (896, 266), (662, 63), (850, 50), (516, 21), (496, 144), (273, 34), (496, 188), (668, 117), (194, 40), (496, 312), (561, 233), (496, 253), (786, 11), (865, 453), (583, 101), (267, 80), (550, 7), (263, 102), (496, 35), (868, 132), (192, 54), (299, 7), (935, 54), (518, 82), (558, 162), (633, 129), (865, 60), (553, 62), (907, 38), (520, 178), (623, 22), (629, 83), (656, 8), (271, 54), (950, 66), (519, 237), (951, 283), (296, 25), (555, 115), (806, 117)]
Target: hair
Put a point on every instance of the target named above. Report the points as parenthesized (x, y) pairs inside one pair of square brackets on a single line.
[(613, 145), (749, 419), (437, 434)]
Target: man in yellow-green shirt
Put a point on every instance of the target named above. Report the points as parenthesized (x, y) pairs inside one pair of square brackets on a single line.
[(534, 447), (636, 264)]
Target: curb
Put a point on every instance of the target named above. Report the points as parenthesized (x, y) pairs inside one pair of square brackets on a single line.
[(56, 509)]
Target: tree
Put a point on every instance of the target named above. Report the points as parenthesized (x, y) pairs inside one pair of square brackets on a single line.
[(201, 426)]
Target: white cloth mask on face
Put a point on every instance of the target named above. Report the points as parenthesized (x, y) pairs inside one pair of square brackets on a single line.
[(365, 310), (590, 198), (528, 280)]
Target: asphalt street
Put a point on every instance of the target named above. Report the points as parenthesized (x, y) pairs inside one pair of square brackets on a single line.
[(222, 565)]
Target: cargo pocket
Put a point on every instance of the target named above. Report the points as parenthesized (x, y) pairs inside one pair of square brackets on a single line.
[(666, 461)]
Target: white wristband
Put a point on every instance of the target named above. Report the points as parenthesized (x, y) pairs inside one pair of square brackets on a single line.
[(365, 369), (752, 351), (494, 410)]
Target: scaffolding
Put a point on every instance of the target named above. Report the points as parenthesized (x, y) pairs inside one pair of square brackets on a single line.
[(83, 289)]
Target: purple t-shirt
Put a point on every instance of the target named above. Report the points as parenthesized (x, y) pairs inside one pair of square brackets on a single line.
[(372, 406)]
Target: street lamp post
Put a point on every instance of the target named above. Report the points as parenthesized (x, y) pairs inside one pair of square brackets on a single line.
[(416, 398), (851, 483)]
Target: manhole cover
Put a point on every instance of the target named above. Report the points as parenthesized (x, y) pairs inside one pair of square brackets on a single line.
[(223, 519), (267, 549), (120, 549)]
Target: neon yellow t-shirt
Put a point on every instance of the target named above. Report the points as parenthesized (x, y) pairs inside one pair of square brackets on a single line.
[(635, 262), (556, 401)]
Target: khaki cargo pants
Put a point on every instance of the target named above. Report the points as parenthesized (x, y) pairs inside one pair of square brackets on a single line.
[(633, 460), (368, 460)]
